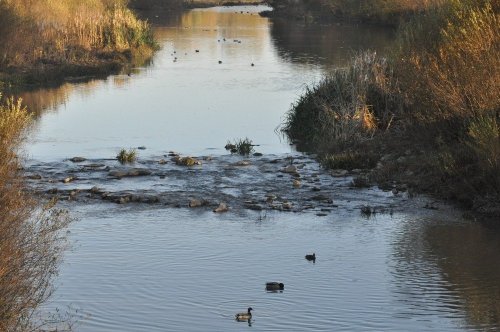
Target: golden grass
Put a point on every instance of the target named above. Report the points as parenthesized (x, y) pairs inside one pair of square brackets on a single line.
[(50, 32)]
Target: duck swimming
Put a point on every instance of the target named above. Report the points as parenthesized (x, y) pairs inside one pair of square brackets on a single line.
[(275, 286), (244, 316), (311, 257)]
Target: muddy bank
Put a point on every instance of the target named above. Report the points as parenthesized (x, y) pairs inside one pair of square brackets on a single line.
[(292, 183)]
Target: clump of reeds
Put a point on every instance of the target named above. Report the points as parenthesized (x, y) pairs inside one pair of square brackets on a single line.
[(242, 146), (83, 32), (349, 160), (31, 237), (125, 156), (348, 106)]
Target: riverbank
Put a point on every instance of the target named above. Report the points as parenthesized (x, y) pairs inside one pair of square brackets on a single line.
[(425, 119), (31, 233), (49, 42)]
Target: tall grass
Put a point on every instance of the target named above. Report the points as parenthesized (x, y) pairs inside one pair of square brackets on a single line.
[(438, 93), (46, 32), (31, 242), (348, 106)]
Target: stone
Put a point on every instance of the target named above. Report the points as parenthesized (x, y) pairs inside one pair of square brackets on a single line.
[(187, 161), (138, 172), (77, 159), (339, 172), (162, 162), (221, 208), (257, 154), (95, 190), (286, 206), (290, 169), (68, 179), (195, 203), (297, 183), (141, 147), (34, 177), (242, 163)]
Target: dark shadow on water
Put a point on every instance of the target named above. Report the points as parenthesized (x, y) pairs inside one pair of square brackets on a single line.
[(457, 264)]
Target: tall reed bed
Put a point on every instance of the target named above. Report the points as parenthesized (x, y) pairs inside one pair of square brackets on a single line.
[(31, 237), (348, 106), (49, 32), (438, 92)]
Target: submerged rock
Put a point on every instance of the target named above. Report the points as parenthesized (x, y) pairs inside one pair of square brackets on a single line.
[(77, 159), (242, 163), (193, 203), (221, 208), (130, 173), (290, 169)]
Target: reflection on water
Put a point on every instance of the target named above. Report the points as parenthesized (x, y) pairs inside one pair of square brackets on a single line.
[(148, 268), (468, 256), (333, 46)]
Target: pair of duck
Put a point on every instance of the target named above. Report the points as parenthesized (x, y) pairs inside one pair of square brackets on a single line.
[(270, 286)]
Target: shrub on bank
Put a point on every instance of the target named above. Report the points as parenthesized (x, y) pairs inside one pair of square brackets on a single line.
[(31, 241), (438, 93)]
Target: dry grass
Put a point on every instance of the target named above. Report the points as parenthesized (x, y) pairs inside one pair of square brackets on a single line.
[(44, 32), (348, 106), (438, 94), (31, 241)]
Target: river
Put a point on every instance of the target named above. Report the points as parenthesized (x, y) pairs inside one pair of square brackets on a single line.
[(152, 263)]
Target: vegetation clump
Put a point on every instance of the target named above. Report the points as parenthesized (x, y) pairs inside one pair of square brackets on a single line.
[(31, 237), (436, 96), (243, 146), (125, 156), (44, 40)]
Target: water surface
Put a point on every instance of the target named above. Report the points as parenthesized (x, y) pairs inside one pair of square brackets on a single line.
[(155, 267)]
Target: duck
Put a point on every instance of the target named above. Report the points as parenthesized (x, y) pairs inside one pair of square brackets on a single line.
[(311, 257), (244, 316), (275, 286)]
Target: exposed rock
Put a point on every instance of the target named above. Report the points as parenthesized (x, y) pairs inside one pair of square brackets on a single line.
[(254, 206), (130, 173), (95, 190), (242, 163), (321, 214), (68, 179), (257, 154), (296, 183), (193, 203), (320, 197), (290, 169), (34, 177), (162, 162), (141, 147), (187, 161), (138, 172), (286, 206), (339, 172), (77, 159), (118, 174), (221, 208)]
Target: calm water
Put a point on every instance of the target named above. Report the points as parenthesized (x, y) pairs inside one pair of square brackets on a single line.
[(139, 267)]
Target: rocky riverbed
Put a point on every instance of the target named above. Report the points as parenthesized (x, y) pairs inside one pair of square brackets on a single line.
[(288, 182)]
